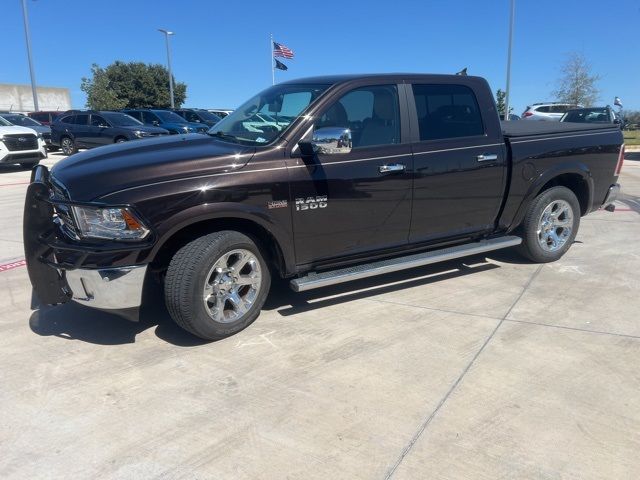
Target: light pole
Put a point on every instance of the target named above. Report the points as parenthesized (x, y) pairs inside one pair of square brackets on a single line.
[(508, 89), (166, 37), (25, 17)]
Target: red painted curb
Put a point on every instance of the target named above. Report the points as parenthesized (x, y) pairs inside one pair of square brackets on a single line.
[(10, 266)]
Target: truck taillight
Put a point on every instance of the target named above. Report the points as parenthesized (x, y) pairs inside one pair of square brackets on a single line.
[(527, 114), (620, 160)]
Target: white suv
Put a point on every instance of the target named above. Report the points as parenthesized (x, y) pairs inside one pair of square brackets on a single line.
[(549, 112), (20, 145)]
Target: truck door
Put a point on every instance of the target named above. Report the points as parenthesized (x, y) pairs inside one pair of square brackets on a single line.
[(459, 161), (360, 201)]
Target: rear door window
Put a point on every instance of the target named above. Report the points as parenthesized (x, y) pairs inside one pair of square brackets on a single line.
[(82, 119), (447, 111), (545, 109), (98, 121)]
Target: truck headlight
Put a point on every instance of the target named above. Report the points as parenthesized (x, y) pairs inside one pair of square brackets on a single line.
[(109, 223)]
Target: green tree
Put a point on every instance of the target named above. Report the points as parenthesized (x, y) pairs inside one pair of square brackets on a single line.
[(131, 85), (501, 97), (577, 83)]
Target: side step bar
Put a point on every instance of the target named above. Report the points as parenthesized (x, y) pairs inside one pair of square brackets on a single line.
[(323, 279)]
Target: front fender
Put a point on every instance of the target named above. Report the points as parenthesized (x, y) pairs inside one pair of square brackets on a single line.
[(229, 211)]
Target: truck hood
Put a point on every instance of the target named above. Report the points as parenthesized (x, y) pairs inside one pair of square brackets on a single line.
[(94, 173)]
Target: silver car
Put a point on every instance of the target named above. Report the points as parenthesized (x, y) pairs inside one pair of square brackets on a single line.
[(548, 112)]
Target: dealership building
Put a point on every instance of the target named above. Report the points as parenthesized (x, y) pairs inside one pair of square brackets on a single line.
[(19, 98)]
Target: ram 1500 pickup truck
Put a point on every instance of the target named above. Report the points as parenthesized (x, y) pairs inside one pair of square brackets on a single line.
[(350, 176)]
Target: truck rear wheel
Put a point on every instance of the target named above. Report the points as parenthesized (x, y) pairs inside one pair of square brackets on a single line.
[(550, 225), (217, 284)]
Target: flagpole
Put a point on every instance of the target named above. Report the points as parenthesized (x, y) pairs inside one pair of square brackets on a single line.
[(273, 70)]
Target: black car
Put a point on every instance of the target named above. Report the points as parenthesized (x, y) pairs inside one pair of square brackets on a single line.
[(198, 115), (88, 129), (166, 119), (591, 115)]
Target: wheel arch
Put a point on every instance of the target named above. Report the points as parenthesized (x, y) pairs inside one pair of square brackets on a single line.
[(271, 242), (575, 176)]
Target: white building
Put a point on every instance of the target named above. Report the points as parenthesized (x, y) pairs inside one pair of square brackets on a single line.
[(18, 98)]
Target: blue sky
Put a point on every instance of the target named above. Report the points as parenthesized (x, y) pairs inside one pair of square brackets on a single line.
[(221, 49)]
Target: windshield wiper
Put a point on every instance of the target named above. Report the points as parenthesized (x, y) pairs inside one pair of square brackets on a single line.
[(228, 136)]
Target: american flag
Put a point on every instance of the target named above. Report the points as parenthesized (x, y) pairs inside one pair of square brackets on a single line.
[(280, 50)]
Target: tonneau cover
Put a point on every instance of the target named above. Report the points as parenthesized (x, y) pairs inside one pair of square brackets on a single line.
[(528, 128)]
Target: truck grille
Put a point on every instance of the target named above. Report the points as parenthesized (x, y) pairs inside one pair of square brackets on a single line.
[(19, 142)]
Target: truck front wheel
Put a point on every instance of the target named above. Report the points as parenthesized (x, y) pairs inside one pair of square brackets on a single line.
[(550, 225), (216, 285)]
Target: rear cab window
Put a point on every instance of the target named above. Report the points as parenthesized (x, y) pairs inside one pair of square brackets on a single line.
[(447, 111)]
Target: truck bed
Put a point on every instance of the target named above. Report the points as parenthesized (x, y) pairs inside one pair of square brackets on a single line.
[(527, 128)]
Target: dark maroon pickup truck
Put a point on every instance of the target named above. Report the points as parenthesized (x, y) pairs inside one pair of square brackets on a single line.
[(321, 181)]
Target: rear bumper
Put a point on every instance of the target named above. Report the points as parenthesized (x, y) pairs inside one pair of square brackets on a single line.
[(612, 195)]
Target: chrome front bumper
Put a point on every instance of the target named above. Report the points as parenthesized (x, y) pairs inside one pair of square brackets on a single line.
[(108, 288)]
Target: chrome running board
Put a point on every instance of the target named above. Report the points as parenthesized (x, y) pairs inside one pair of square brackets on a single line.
[(323, 279)]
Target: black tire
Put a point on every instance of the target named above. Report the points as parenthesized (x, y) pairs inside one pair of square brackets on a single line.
[(120, 140), (189, 271), (29, 165), (536, 244), (68, 146)]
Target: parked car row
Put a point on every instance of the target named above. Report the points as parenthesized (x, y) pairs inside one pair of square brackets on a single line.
[(567, 112), (87, 129)]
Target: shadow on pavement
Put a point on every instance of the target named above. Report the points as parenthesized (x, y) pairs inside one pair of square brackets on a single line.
[(13, 168), (286, 302), (73, 321)]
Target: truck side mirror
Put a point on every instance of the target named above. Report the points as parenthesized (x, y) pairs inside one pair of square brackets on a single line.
[(327, 141)]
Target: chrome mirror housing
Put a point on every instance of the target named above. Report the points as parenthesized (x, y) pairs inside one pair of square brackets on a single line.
[(331, 140)]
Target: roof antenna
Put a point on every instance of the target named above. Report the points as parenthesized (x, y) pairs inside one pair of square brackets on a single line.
[(463, 72)]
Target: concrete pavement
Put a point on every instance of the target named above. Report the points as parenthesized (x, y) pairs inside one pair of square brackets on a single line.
[(485, 368)]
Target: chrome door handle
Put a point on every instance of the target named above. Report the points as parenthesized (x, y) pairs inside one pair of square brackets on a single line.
[(487, 157), (394, 167)]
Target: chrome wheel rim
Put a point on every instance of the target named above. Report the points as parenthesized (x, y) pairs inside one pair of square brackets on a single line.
[(555, 225), (232, 286)]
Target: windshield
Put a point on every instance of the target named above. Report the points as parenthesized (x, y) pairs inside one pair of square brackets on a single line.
[(21, 120), (266, 116), (166, 116), (4, 123), (587, 115), (121, 119)]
